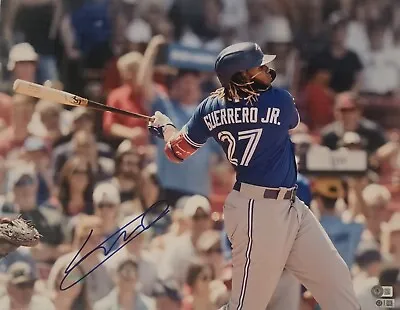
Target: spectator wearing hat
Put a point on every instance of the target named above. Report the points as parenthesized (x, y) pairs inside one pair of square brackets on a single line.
[(137, 249), (138, 34), (349, 118), (127, 176), (47, 219), (13, 137), (127, 293), (46, 16), (97, 284), (136, 71), (106, 201), (173, 268), (20, 290), (376, 199), (22, 61), (342, 66), (345, 236)]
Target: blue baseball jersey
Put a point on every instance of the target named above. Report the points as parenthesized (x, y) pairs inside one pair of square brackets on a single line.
[(255, 137)]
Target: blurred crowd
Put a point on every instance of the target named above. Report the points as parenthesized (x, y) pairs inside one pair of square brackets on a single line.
[(77, 171)]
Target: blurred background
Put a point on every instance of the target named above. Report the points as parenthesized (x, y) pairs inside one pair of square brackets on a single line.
[(70, 171)]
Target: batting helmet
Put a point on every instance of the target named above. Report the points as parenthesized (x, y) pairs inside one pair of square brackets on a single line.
[(239, 57)]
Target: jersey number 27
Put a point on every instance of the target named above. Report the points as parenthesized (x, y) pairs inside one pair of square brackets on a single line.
[(252, 136)]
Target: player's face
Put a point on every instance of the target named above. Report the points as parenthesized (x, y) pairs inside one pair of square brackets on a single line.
[(259, 74)]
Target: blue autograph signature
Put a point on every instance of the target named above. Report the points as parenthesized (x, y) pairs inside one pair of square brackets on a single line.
[(121, 232)]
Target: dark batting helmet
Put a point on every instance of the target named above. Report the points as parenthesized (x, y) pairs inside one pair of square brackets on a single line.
[(240, 57)]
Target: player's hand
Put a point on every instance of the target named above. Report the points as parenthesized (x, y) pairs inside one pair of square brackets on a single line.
[(158, 124)]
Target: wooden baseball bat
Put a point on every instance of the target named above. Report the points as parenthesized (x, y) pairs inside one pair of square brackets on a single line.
[(58, 96)]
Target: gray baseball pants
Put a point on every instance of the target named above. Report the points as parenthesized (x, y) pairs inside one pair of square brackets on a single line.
[(269, 235)]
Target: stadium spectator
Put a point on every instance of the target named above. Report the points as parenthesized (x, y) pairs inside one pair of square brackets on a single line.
[(287, 64), (74, 298), (310, 36), (348, 116), (136, 71), (391, 238), (127, 176), (13, 137), (342, 65), (376, 200), (46, 218), (345, 236), (20, 290), (85, 145), (202, 291), (137, 248), (76, 185), (319, 55), (106, 203), (381, 75), (209, 249), (127, 293), (179, 252), (98, 284), (37, 153), (369, 261), (50, 121), (22, 63), (45, 16)]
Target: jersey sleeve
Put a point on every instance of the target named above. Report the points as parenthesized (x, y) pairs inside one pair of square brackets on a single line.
[(195, 130), (294, 116)]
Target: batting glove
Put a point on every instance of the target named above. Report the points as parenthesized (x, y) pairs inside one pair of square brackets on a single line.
[(158, 124)]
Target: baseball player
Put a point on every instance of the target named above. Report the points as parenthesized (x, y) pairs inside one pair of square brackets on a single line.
[(269, 227)]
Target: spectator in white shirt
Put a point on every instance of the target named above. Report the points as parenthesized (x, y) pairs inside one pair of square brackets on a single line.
[(380, 73), (178, 255), (391, 238)]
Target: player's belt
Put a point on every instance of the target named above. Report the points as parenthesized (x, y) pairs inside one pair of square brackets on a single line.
[(281, 193)]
